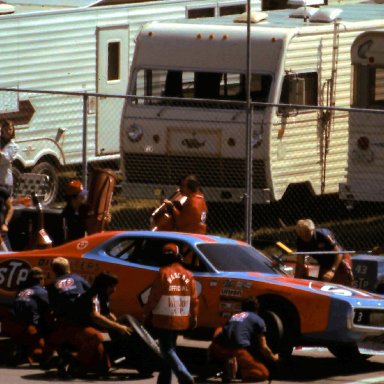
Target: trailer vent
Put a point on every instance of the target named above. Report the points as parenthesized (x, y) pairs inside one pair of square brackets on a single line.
[(303, 12), (305, 3), (326, 15), (6, 8), (256, 17)]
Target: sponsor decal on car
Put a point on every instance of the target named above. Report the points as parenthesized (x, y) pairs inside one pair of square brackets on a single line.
[(336, 289), (13, 273), (82, 245), (231, 292)]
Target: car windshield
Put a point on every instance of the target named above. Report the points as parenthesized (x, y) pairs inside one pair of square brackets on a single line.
[(238, 258)]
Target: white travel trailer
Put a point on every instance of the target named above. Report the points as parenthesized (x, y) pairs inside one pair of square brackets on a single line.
[(294, 61), (365, 171), (76, 46)]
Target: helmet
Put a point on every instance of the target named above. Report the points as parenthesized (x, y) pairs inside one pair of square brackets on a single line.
[(170, 254), (74, 188), (170, 249)]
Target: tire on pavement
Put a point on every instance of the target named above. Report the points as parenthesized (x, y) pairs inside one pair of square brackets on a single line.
[(145, 353), (347, 352)]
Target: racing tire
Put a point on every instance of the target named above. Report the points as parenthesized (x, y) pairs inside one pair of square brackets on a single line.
[(347, 352), (146, 355), (277, 334), (45, 168)]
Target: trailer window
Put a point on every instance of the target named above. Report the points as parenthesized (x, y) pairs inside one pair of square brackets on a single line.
[(114, 60), (235, 9), (368, 87), (196, 13), (201, 85), (300, 89)]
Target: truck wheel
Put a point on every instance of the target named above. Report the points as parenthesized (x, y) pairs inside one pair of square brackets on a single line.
[(347, 352), (45, 168), (16, 174)]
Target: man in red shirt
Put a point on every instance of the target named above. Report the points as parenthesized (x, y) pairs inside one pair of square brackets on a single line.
[(172, 307), (192, 215)]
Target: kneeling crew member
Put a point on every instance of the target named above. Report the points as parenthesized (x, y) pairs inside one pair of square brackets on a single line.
[(31, 308), (92, 316), (240, 341)]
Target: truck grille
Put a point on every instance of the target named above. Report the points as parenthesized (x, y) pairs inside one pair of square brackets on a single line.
[(212, 172)]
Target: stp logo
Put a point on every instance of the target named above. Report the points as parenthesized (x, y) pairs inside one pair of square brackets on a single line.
[(13, 273), (65, 283)]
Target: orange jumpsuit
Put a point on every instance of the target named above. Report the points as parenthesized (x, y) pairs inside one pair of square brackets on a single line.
[(173, 298), (172, 306), (193, 215)]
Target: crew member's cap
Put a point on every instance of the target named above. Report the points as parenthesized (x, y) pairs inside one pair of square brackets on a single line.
[(170, 249), (75, 188)]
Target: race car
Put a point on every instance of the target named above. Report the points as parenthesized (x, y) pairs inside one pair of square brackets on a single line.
[(297, 312), (368, 270)]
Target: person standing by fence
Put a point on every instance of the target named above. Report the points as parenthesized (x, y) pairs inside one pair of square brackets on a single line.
[(192, 216), (8, 152), (74, 214)]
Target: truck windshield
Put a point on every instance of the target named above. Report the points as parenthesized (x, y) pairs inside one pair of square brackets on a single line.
[(237, 258), (201, 85)]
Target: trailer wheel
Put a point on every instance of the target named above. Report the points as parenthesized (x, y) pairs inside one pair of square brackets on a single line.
[(45, 168), (16, 174)]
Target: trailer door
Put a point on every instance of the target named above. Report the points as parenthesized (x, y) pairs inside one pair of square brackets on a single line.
[(112, 79)]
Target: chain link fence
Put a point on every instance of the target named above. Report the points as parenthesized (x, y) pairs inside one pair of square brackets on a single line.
[(322, 163)]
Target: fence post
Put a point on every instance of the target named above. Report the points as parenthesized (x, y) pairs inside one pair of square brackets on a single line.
[(84, 162), (248, 136)]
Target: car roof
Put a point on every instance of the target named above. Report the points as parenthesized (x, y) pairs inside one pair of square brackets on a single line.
[(193, 239)]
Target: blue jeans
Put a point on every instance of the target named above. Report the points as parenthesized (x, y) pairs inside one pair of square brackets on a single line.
[(167, 341)]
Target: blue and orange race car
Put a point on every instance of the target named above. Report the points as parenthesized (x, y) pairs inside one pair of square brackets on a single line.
[(297, 312)]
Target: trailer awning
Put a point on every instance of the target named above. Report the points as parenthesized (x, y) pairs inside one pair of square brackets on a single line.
[(6, 8), (49, 4)]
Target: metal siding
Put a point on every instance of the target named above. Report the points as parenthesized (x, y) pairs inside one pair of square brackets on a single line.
[(56, 50), (290, 161)]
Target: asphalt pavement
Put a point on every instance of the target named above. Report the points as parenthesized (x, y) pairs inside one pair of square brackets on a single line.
[(308, 365)]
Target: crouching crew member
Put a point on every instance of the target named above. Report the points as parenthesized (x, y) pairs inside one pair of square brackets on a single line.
[(239, 343), (172, 307), (29, 326), (334, 267), (66, 288), (92, 316), (62, 292)]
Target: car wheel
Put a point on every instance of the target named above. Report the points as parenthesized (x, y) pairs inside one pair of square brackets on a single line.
[(347, 352), (146, 354), (278, 336), (45, 168)]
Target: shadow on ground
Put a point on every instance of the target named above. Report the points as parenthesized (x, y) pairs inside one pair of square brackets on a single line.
[(302, 369)]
